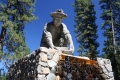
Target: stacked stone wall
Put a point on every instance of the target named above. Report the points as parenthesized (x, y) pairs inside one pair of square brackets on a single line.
[(39, 65), (51, 64), (75, 68)]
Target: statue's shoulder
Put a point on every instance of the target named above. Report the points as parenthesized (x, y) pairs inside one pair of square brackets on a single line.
[(48, 25), (63, 24)]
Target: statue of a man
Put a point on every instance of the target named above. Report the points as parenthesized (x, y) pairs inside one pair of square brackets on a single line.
[(56, 33)]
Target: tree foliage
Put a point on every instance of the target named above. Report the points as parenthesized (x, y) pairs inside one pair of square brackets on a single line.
[(86, 28), (14, 14), (111, 27)]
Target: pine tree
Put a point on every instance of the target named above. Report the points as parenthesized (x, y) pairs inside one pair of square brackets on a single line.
[(111, 27), (86, 28), (14, 14)]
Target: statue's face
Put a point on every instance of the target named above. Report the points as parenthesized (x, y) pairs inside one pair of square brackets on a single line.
[(57, 21)]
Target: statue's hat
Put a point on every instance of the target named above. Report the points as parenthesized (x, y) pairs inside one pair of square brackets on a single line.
[(59, 13)]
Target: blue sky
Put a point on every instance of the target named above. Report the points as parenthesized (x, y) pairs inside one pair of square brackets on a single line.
[(43, 8)]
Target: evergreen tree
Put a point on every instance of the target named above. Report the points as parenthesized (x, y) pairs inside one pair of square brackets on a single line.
[(86, 28), (111, 27), (14, 14)]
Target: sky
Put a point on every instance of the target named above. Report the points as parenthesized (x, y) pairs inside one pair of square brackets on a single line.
[(43, 8)]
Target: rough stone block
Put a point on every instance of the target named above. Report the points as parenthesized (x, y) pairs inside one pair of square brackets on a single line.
[(51, 76), (43, 49), (45, 64), (57, 77), (39, 69), (59, 52), (56, 57), (110, 78), (100, 61), (104, 69), (43, 57), (49, 55), (53, 70), (107, 61), (52, 63), (40, 77), (46, 70), (108, 67), (110, 74), (104, 76)]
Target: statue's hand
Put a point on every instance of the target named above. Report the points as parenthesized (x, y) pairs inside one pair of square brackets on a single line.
[(55, 47)]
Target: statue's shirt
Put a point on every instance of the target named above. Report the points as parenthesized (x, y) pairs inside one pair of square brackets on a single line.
[(53, 32)]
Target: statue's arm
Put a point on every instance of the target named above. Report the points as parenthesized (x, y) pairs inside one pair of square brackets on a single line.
[(68, 36), (48, 37)]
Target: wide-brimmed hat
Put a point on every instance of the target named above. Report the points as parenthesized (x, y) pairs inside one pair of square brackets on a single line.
[(59, 13)]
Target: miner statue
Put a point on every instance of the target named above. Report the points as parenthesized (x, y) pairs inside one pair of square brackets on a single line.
[(55, 33)]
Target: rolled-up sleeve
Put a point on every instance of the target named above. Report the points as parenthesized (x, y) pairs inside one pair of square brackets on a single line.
[(47, 37)]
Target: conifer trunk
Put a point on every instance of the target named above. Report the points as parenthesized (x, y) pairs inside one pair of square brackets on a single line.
[(2, 35), (115, 52)]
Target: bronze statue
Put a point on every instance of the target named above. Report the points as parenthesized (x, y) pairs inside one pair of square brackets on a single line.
[(55, 33)]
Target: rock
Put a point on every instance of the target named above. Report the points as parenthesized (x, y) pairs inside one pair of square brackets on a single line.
[(69, 76), (40, 77), (51, 63), (100, 61), (43, 49), (107, 61), (51, 76), (33, 53), (55, 57), (108, 67), (59, 52), (28, 56), (110, 74), (105, 64), (43, 57), (53, 70), (39, 69), (110, 78), (104, 69), (46, 70), (104, 76), (49, 55), (57, 77), (45, 64)]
